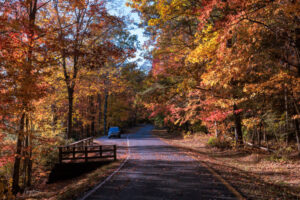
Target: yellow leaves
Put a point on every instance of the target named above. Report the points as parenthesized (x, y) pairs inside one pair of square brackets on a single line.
[(207, 45), (251, 122), (153, 22)]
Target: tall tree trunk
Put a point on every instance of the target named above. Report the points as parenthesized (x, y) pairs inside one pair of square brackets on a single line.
[(32, 11), (259, 134), (105, 112), (26, 152), (70, 112), (82, 131), (216, 130), (29, 168), (16, 170), (100, 112), (54, 117), (253, 135), (297, 129), (87, 130), (286, 115), (238, 125), (92, 115), (297, 126)]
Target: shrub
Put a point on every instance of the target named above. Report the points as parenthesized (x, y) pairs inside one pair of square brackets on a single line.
[(218, 143)]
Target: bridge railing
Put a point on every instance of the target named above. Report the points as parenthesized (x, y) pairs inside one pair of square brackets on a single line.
[(87, 153), (88, 141)]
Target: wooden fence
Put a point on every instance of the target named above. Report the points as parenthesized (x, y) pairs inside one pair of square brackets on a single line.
[(84, 142), (85, 150)]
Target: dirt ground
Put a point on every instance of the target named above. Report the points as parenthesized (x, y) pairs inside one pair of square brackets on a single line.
[(254, 173)]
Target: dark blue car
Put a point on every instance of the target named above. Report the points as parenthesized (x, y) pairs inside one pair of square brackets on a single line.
[(114, 132)]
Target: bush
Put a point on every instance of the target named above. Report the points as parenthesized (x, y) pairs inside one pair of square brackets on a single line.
[(218, 143), (187, 135), (48, 153)]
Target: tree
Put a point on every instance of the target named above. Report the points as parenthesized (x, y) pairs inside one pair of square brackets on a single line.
[(226, 61)]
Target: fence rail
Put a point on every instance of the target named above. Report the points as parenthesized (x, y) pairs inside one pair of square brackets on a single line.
[(85, 150), (84, 142)]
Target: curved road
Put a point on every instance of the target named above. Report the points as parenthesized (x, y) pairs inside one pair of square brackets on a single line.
[(156, 170)]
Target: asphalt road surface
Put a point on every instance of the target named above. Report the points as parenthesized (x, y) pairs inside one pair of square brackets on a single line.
[(156, 170)]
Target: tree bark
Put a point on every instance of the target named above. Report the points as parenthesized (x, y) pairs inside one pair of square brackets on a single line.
[(216, 130), (29, 167), (297, 129), (238, 125), (286, 115), (105, 112), (70, 112), (16, 170), (100, 112), (92, 115), (259, 134), (26, 152)]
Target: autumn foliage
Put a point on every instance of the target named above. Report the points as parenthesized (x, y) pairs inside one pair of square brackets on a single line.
[(65, 75), (231, 66)]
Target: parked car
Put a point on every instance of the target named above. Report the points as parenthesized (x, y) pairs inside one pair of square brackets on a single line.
[(114, 132)]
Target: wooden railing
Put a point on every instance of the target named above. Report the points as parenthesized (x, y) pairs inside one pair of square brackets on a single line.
[(88, 141), (82, 152)]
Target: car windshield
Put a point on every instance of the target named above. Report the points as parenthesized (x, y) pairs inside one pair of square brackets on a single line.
[(114, 129)]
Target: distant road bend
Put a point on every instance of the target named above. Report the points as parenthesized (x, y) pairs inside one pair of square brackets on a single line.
[(156, 170)]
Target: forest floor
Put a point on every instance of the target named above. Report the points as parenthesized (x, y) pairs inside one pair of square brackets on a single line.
[(254, 173)]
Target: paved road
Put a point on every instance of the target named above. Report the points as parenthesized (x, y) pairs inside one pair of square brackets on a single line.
[(156, 170)]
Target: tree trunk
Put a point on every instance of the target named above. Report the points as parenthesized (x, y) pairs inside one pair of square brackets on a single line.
[(92, 115), (100, 112), (105, 112), (54, 117), (16, 170), (297, 129), (297, 126), (286, 115), (259, 134), (29, 167), (238, 125), (26, 153), (82, 130), (70, 112), (216, 130), (253, 135)]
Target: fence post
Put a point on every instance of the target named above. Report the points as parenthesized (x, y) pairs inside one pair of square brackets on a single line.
[(60, 154), (115, 152), (85, 153)]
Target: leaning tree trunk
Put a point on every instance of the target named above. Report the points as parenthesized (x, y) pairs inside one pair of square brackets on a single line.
[(16, 170), (238, 126)]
